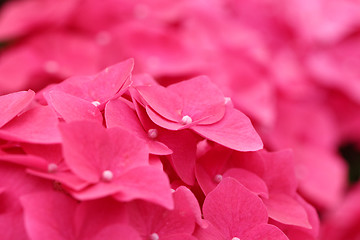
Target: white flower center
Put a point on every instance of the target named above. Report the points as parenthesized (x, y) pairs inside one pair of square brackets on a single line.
[(186, 120), (235, 238), (52, 167), (107, 175), (227, 100), (95, 103), (154, 236), (153, 133), (218, 178)]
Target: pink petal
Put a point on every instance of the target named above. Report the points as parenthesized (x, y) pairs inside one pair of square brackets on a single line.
[(280, 173), (24, 160), (96, 191), (210, 233), (233, 209), (38, 125), (108, 84), (210, 165), (89, 150), (48, 215), (184, 198), (285, 209), (183, 144), (92, 217), (298, 233), (113, 232), (115, 79), (49, 152), (233, 131), (135, 185), (77, 86), (180, 237), (62, 177), (264, 231), (164, 102), (16, 183), (250, 180), (161, 121), (207, 104), (13, 103), (251, 161), (72, 108)]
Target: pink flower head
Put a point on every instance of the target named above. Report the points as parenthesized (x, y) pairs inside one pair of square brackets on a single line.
[(113, 161), (235, 213), (182, 105)]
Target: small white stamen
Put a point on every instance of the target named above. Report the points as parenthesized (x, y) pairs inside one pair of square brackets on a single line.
[(186, 120), (51, 67), (52, 167), (235, 238), (227, 100), (141, 11), (172, 190), (218, 178), (153, 133), (103, 38), (107, 175), (154, 236), (96, 103)]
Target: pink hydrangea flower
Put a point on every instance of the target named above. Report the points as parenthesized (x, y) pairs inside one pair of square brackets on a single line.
[(154, 222), (235, 213), (181, 106), (120, 169)]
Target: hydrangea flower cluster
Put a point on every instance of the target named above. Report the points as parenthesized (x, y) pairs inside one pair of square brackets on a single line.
[(118, 155), (180, 119)]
